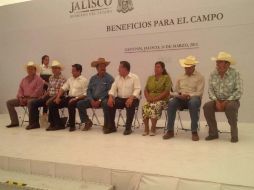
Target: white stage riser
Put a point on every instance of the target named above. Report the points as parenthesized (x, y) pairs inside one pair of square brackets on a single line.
[(120, 179)]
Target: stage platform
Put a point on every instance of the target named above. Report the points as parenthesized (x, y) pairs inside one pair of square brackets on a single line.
[(131, 162)]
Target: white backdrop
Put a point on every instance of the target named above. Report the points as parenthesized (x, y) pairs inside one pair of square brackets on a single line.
[(32, 29)]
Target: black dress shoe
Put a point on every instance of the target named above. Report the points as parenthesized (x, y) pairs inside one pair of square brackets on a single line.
[(109, 130), (211, 137), (33, 126), (234, 139), (106, 130), (55, 128), (12, 125), (113, 129), (50, 128), (72, 128), (59, 127), (127, 132)]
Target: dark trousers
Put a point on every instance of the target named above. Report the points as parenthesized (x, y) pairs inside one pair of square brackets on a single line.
[(120, 104), (54, 117), (82, 106), (45, 88), (231, 111), (34, 111), (45, 107)]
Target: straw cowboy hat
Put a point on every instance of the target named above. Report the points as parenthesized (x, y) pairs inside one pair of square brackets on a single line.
[(99, 61), (55, 63), (188, 61), (32, 64), (223, 56)]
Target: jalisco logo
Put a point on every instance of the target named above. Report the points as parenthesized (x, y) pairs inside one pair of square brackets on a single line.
[(124, 6), (81, 8)]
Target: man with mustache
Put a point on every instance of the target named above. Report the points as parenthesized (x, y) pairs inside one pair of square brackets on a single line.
[(225, 91), (97, 93)]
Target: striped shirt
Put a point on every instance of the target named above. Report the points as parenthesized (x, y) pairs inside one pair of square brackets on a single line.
[(55, 83)]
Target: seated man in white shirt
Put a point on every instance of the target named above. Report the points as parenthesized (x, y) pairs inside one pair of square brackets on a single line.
[(124, 93), (77, 87)]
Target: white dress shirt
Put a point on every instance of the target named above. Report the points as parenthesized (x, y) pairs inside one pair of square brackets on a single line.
[(126, 87), (76, 86)]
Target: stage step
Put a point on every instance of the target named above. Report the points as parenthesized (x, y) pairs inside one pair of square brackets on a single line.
[(10, 180)]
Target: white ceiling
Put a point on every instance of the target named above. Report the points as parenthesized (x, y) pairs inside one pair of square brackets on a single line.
[(8, 2)]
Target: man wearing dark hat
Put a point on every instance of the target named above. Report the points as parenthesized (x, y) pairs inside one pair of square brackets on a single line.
[(97, 93)]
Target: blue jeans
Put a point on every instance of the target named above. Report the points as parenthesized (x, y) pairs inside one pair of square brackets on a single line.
[(84, 104), (193, 104)]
